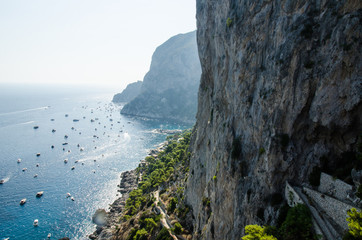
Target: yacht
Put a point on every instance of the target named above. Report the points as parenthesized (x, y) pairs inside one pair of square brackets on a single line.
[(24, 169), (23, 201), (39, 194), (36, 175), (19, 160), (36, 222)]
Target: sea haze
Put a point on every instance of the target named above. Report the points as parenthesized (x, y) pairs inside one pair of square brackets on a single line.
[(110, 145)]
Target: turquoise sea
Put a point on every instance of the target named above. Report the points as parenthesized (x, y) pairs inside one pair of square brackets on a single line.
[(100, 145)]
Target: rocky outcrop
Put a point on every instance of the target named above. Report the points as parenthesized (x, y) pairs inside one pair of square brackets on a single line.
[(281, 89), (169, 89), (129, 93), (107, 221)]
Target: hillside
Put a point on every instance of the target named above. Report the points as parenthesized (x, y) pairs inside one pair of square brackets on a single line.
[(169, 89), (129, 93)]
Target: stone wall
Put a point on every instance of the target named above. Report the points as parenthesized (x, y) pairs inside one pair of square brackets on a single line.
[(334, 187), (292, 196), (334, 208)]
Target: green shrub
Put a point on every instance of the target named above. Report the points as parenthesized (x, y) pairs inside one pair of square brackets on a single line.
[(354, 220), (163, 235), (298, 224), (255, 232), (177, 229), (141, 234), (172, 205), (315, 176), (261, 151), (229, 22), (214, 178)]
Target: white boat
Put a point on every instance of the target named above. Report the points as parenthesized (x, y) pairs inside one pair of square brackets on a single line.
[(38, 154), (81, 149), (36, 175), (19, 160), (73, 168), (36, 222), (49, 235), (72, 198), (24, 169), (23, 201), (68, 195), (66, 160), (39, 194)]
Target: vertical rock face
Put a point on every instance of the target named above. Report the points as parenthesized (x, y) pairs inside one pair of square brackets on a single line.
[(169, 89), (281, 87)]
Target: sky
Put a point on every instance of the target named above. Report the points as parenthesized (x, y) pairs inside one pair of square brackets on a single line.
[(108, 42)]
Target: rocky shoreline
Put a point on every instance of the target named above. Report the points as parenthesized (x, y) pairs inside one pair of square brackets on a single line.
[(129, 182)]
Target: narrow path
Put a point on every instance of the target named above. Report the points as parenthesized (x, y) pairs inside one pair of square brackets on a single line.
[(163, 219)]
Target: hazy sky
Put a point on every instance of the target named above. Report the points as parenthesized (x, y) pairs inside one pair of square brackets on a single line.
[(91, 41)]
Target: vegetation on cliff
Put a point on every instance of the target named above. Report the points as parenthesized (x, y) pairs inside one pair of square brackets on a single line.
[(164, 175)]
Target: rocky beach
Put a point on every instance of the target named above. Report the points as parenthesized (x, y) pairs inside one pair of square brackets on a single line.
[(106, 221)]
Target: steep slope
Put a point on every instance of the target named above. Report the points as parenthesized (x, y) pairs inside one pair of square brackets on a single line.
[(169, 89), (129, 93), (280, 91)]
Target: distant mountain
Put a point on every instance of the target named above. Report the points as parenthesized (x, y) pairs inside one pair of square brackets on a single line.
[(132, 90), (169, 89)]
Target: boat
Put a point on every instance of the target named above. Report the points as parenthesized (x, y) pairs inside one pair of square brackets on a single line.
[(81, 149), (72, 198), (24, 169), (65, 143), (39, 194), (76, 161), (36, 127), (37, 165), (23, 201), (19, 160), (52, 119), (68, 195), (52, 146), (73, 168), (49, 235), (36, 175), (66, 115), (36, 222), (65, 136), (54, 130), (66, 160), (38, 154), (2, 181), (75, 120)]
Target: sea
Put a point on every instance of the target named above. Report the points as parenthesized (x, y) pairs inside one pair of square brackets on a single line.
[(76, 123)]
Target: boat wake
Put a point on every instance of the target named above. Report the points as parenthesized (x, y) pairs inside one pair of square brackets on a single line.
[(26, 110)]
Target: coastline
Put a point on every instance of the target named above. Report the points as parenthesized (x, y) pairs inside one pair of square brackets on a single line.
[(129, 182)]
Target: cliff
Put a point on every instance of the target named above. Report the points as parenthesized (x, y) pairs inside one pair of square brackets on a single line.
[(129, 93), (280, 93), (169, 89)]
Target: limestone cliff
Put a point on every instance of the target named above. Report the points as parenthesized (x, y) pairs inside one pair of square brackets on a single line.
[(169, 89), (280, 90), (129, 93)]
